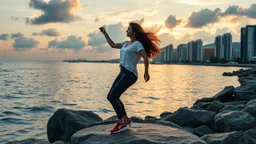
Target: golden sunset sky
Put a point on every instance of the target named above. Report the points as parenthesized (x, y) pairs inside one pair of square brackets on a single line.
[(68, 29)]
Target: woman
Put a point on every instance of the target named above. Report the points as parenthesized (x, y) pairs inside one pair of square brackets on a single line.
[(141, 44)]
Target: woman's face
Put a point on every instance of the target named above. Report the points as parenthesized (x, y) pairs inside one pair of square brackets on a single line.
[(130, 32)]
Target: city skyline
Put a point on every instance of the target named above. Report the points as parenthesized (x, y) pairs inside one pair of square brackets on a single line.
[(68, 29)]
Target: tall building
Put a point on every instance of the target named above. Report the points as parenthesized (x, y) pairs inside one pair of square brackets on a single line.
[(169, 53), (190, 51), (219, 52), (182, 52), (227, 46), (198, 50), (248, 42)]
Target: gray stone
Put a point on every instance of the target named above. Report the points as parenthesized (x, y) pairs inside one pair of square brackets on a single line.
[(251, 134), (226, 94), (168, 123), (204, 100), (215, 106), (163, 114), (236, 103), (138, 134), (192, 118), (202, 130), (251, 109), (228, 121), (251, 102), (150, 119), (203, 105), (29, 141), (196, 107), (230, 108), (64, 123), (235, 137), (244, 95)]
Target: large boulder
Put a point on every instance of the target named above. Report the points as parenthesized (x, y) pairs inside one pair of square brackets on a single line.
[(64, 123), (192, 117), (251, 109), (215, 106), (236, 137), (228, 121), (226, 94), (140, 133), (251, 134), (29, 141), (202, 130)]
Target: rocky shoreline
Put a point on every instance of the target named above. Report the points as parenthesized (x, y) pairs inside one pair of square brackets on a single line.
[(229, 117)]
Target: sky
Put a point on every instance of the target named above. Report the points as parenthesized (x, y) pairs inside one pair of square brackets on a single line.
[(68, 29)]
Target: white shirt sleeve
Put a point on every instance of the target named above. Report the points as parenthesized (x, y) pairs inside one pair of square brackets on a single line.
[(139, 46)]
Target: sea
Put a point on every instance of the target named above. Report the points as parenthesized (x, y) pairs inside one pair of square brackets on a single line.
[(30, 92)]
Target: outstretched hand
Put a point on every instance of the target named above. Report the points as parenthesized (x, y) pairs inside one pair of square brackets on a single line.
[(102, 30), (146, 77)]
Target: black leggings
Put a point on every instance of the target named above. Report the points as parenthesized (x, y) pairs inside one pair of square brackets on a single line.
[(123, 81)]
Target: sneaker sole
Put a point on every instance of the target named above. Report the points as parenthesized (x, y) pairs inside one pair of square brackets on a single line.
[(130, 125), (123, 129)]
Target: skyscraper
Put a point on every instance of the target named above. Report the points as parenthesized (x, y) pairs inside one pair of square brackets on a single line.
[(190, 51), (227, 46), (182, 52), (248, 42), (198, 50), (219, 52)]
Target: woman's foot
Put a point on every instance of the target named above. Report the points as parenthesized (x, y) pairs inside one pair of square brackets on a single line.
[(119, 127), (129, 122)]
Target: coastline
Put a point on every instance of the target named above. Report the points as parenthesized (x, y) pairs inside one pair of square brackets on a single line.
[(229, 116)]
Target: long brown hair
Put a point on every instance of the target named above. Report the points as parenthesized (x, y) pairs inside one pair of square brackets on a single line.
[(149, 40)]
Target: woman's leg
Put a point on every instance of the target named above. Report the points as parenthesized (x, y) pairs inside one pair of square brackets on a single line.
[(124, 82)]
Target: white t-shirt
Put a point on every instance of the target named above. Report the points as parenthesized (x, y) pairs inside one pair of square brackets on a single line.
[(130, 56)]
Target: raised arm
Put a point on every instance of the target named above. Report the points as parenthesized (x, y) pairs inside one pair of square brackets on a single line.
[(110, 42)]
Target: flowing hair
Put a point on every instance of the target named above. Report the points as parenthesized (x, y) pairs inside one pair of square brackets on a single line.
[(149, 40)]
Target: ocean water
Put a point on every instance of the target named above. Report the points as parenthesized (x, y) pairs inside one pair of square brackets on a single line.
[(30, 92)]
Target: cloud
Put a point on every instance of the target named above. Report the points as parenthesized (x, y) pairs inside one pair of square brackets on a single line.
[(55, 11), (172, 22), (48, 32), (17, 35), (4, 37), (203, 18), (72, 42), (23, 43), (98, 43), (238, 11), (203, 2)]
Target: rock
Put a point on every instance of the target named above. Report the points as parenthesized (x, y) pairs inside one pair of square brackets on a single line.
[(228, 121), (226, 94), (192, 118), (138, 134), (235, 137), (188, 129), (196, 107), (29, 141), (216, 106), (251, 134), (64, 123), (235, 103), (244, 95), (150, 119), (230, 108), (163, 114), (227, 74), (204, 100), (137, 119), (251, 109), (252, 97), (112, 118), (251, 102), (203, 105), (168, 123), (202, 130)]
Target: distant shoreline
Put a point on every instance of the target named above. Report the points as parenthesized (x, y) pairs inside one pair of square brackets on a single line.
[(223, 65)]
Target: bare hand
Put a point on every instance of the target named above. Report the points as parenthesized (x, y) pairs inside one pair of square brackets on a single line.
[(146, 77), (102, 30)]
